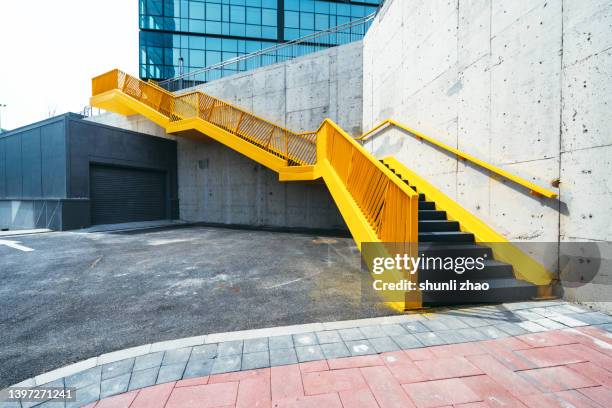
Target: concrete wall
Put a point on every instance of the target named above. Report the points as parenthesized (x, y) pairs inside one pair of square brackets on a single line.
[(300, 93), (524, 85), (218, 185)]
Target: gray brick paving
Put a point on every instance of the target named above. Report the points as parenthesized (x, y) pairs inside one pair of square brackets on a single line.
[(531, 326), (335, 350), (172, 357), (328, 336), (172, 372), (143, 378), (492, 332), (511, 328), (85, 395), (227, 364), (549, 324), (351, 334), (84, 378), (360, 347), (305, 339), (115, 385), (592, 318), (199, 367), (568, 321), (251, 361), (230, 348), (255, 345), (117, 368), (206, 351), (415, 327), (449, 327), (407, 341), (282, 356), (280, 342), (436, 324), (472, 334), (393, 330), (372, 332), (429, 339), (309, 353), (475, 321), (451, 336), (384, 344), (148, 361)]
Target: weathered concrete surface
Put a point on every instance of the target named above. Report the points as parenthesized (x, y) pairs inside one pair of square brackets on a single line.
[(525, 85), (300, 93), (78, 295), (219, 185)]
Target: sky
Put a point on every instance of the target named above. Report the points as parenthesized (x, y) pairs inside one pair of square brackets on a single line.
[(50, 50)]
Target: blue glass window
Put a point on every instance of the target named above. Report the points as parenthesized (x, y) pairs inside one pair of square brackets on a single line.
[(199, 30), (213, 12)]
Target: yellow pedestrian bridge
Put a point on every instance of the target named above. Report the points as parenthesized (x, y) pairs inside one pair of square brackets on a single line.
[(381, 201)]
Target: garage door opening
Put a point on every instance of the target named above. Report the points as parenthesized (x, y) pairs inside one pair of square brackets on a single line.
[(123, 194)]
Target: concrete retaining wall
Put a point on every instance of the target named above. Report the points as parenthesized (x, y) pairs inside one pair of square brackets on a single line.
[(523, 84), (300, 93)]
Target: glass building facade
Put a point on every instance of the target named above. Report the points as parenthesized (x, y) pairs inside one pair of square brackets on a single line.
[(180, 36)]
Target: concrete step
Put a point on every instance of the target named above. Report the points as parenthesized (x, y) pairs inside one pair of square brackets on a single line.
[(448, 237), (438, 226), (427, 205), (431, 215)]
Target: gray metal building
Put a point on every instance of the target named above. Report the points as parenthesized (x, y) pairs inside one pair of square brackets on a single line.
[(68, 173)]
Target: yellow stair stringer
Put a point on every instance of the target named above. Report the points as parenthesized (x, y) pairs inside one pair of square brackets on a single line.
[(525, 268), (118, 102), (358, 225)]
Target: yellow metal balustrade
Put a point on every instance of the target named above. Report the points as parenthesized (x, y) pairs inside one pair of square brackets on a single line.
[(375, 204)]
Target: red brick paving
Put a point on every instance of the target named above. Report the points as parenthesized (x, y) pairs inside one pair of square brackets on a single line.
[(563, 368)]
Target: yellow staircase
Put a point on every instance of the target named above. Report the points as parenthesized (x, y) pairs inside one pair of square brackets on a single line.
[(376, 204)]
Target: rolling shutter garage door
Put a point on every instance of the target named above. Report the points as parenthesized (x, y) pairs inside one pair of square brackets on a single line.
[(120, 194)]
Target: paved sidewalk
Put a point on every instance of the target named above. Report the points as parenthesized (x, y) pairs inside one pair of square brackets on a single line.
[(562, 334), (560, 368)]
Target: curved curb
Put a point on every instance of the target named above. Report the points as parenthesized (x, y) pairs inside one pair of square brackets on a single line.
[(137, 351)]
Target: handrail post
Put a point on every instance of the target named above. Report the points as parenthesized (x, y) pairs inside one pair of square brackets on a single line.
[(239, 122), (286, 145)]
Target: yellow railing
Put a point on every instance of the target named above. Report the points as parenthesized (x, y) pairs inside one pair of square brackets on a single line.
[(389, 206), (533, 188), (297, 149)]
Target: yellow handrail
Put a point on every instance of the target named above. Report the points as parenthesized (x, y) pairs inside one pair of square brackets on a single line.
[(533, 188)]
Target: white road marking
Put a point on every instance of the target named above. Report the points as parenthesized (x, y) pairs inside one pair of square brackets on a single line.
[(15, 245)]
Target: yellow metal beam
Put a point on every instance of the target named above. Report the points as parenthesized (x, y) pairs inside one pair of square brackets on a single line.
[(118, 102), (299, 173)]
